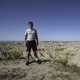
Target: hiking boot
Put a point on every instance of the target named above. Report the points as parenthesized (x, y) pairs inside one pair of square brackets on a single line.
[(39, 61), (27, 63)]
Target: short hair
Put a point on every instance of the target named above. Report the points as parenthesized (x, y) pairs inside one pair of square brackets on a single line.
[(31, 23)]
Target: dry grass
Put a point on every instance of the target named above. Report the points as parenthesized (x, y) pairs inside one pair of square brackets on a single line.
[(60, 61)]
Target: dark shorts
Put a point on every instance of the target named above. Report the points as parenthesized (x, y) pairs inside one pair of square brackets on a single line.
[(31, 45)]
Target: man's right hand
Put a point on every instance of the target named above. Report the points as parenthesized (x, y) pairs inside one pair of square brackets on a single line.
[(37, 43), (24, 42)]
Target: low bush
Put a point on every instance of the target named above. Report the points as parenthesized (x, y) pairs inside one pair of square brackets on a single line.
[(10, 52)]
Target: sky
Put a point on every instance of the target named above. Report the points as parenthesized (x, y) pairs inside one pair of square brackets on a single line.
[(53, 19)]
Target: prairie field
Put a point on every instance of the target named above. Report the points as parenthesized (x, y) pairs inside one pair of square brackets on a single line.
[(60, 60)]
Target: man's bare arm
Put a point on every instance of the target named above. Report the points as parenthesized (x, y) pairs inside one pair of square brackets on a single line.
[(36, 38), (25, 36)]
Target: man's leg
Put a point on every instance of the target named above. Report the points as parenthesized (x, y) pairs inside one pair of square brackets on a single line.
[(28, 56), (34, 47), (36, 57), (29, 52), (35, 54)]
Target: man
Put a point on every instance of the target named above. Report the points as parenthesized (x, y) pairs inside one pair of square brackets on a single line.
[(31, 40)]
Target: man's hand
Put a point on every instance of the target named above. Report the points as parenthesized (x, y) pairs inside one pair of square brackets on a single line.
[(25, 42), (37, 43)]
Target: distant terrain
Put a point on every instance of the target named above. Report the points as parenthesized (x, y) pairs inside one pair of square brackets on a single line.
[(60, 61)]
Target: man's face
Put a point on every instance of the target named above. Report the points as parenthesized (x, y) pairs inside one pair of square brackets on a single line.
[(30, 26)]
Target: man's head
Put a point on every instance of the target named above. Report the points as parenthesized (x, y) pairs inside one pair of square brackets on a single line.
[(30, 24)]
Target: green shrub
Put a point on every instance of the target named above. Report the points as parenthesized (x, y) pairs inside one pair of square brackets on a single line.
[(11, 52), (14, 53)]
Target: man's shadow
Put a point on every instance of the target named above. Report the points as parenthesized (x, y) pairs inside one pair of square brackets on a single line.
[(42, 61)]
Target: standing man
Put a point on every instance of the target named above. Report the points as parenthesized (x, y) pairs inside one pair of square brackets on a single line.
[(31, 40)]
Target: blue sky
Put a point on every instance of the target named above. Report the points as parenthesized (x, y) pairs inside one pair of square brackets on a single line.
[(54, 19)]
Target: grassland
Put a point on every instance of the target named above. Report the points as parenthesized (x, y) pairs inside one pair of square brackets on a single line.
[(60, 61)]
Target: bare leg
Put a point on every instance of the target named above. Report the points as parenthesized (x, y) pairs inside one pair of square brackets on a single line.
[(28, 56), (36, 56)]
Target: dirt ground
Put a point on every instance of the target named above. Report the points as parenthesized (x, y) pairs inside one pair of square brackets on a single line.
[(47, 70), (60, 61)]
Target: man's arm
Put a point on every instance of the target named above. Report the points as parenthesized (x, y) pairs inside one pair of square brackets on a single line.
[(36, 35), (25, 36)]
